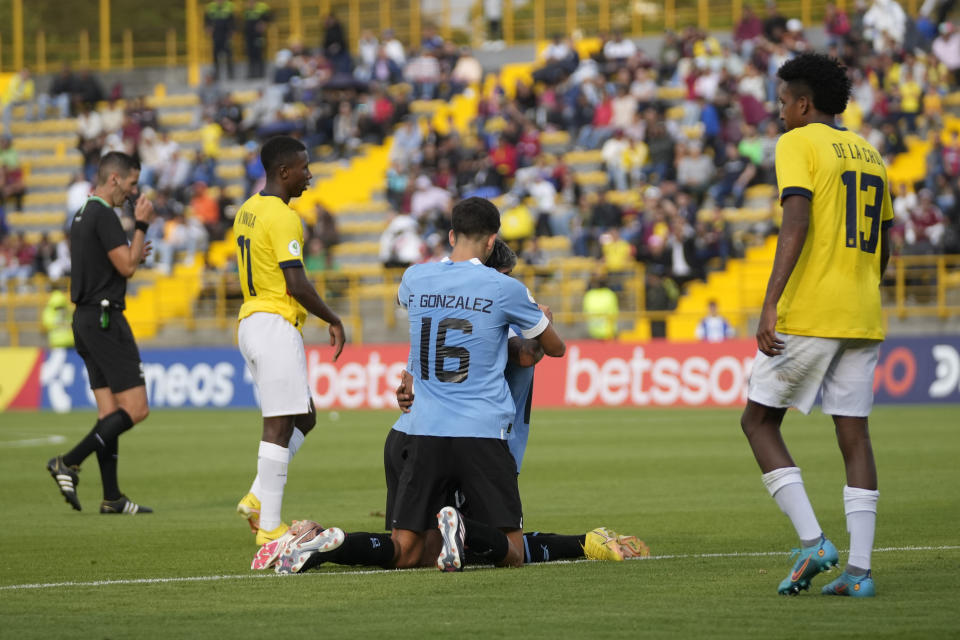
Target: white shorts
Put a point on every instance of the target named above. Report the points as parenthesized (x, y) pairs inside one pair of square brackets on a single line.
[(273, 349), (842, 368)]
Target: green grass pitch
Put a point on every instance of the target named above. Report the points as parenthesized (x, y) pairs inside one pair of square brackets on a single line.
[(683, 480)]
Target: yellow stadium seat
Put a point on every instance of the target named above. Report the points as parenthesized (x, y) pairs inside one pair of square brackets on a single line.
[(37, 219), (177, 119), (186, 136), (173, 100), (69, 161), (671, 93), (235, 192), (49, 198), (245, 97), (64, 126), (760, 191), (230, 171), (362, 228), (45, 143), (53, 179), (555, 243), (232, 152)]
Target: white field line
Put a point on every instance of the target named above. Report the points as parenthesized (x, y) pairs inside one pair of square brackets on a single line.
[(32, 442), (249, 576)]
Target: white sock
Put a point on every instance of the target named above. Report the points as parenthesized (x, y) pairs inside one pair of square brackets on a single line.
[(860, 505), (296, 439), (272, 464), (786, 487)]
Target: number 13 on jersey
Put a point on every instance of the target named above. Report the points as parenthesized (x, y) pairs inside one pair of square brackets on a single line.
[(869, 236)]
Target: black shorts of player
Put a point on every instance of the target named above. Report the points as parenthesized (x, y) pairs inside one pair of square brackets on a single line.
[(110, 354), (433, 466), (458, 499), (395, 454)]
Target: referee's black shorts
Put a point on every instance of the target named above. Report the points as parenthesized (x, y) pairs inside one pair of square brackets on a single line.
[(431, 467), (110, 354)]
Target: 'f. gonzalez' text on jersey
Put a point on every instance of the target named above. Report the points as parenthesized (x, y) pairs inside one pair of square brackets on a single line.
[(834, 290), (269, 238), (459, 313), (520, 381)]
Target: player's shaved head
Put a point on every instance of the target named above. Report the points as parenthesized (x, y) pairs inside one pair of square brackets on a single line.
[(502, 258), (475, 218), (115, 162), (279, 151), (822, 78)]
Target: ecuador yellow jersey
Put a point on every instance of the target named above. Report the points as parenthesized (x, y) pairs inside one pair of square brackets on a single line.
[(834, 290), (269, 238)]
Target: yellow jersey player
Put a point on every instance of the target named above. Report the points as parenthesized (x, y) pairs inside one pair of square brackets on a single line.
[(820, 327), (276, 298)]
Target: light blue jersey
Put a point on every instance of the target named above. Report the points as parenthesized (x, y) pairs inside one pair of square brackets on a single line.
[(459, 313), (520, 381)]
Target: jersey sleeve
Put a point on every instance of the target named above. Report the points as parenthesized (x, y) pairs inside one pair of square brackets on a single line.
[(794, 163), (286, 237), (886, 213), (110, 231), (521, 309), (403, 293)]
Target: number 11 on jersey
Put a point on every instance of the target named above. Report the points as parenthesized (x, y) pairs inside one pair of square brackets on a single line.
[(245, 258)]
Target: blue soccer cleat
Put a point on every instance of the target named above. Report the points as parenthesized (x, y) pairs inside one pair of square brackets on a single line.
[(813, 559), (853, 586)]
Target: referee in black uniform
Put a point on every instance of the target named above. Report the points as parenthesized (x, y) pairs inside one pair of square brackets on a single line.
[(102, 260)]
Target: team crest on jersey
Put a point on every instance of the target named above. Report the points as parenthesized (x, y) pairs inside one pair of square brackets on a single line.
[(294, 248)]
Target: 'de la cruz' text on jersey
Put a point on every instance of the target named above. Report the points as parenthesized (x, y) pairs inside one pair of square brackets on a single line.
[(269, 237), (834, 290), (459, 313)]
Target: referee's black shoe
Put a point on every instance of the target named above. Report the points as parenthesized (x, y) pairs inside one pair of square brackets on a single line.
[(123, 504), (67, 480)]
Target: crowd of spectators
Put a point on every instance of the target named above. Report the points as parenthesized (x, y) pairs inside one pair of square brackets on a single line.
[(331, 99), (687, 157)]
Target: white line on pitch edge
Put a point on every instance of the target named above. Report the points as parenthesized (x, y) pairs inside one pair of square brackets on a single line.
[(247, 576), (33, 442)]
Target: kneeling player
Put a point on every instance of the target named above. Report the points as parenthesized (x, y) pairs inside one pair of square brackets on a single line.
[(459, 313), (600, 543)]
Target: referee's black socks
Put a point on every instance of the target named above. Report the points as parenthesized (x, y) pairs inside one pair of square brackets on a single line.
[(106, 430), (107, 459)]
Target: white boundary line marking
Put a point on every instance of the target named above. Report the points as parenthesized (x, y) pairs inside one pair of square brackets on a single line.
[(33, 442), (249, 576)]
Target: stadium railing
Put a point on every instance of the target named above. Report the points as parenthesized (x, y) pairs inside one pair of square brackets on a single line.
[(365, 296)]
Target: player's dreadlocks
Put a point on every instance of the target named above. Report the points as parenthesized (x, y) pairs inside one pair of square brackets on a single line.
[(820, 76)]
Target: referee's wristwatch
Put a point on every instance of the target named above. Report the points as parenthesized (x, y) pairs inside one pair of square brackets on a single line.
[(140, 225)]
